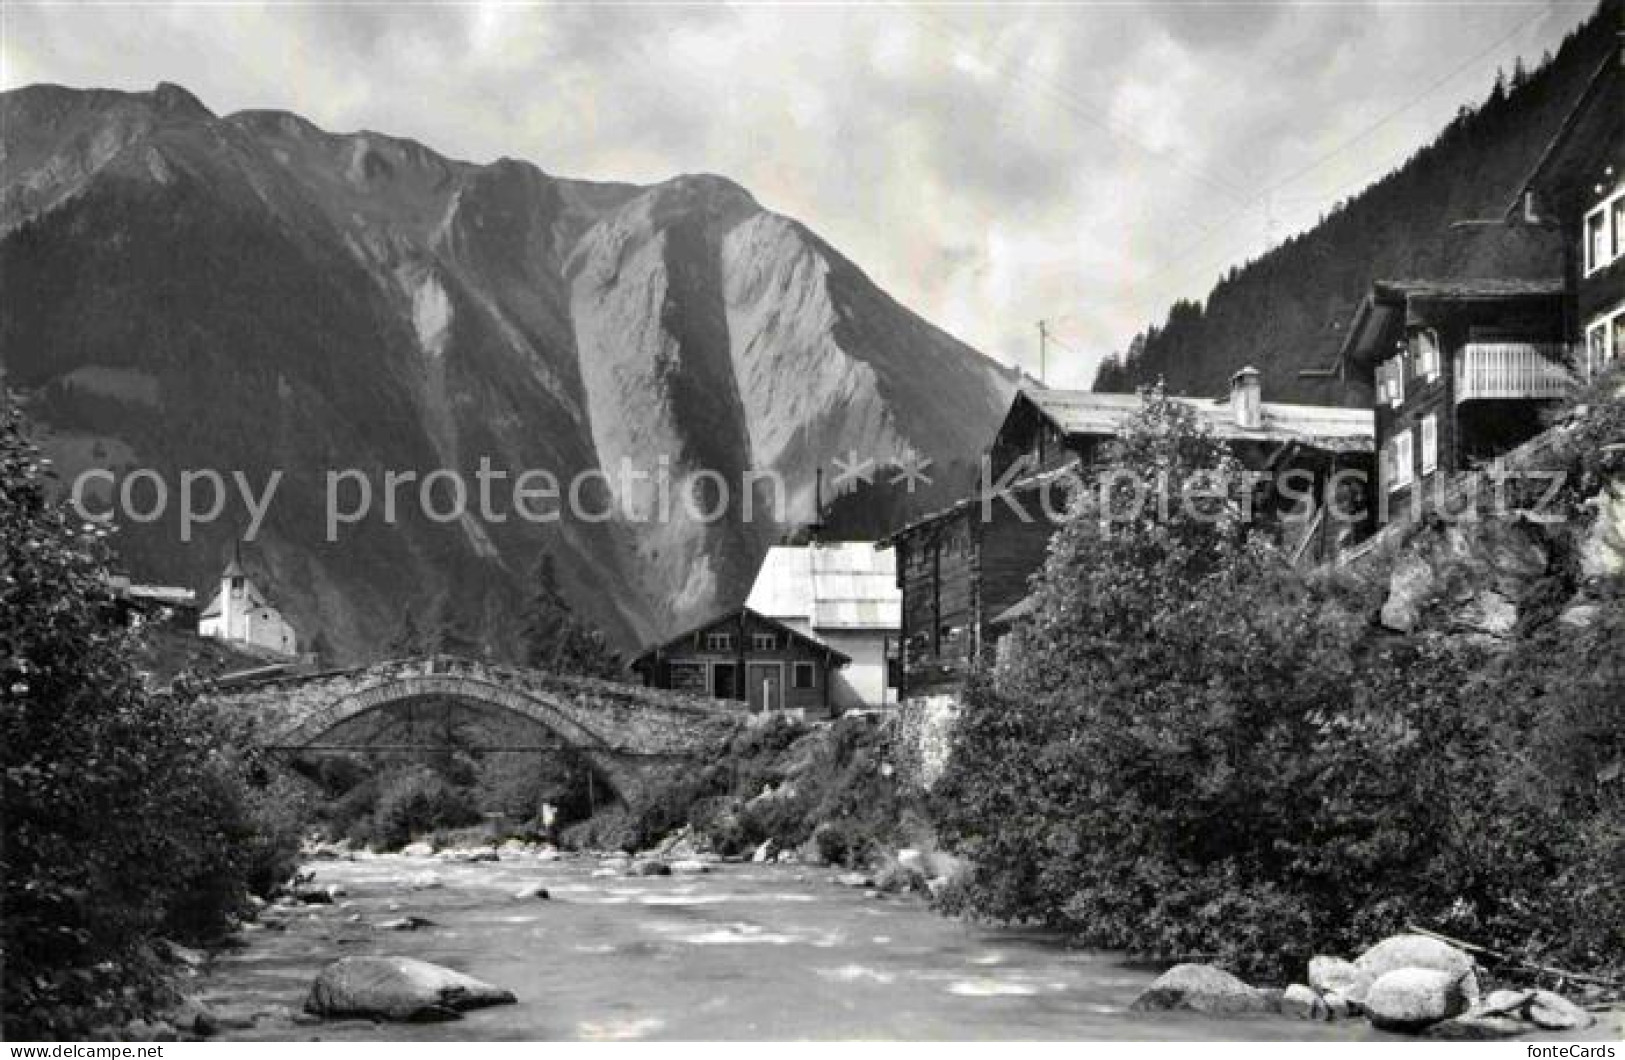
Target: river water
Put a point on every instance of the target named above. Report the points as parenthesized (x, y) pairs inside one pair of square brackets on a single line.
[(744, 952)]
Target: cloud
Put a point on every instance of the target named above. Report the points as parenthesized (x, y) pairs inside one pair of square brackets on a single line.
[(989, 166)]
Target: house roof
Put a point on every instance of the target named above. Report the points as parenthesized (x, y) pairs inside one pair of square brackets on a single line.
[(1020, 609), (1469, 290), (1593, 93), (1321, 426), (847, 585), (651, 652), (1389, 298), (1020, 485)]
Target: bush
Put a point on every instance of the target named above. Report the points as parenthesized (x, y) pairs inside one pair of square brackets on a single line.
[(416, 801), (845, 842), (127, 814), (1190, 752)]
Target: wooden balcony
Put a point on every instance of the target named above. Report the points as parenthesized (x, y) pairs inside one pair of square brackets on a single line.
[(1529, 370)]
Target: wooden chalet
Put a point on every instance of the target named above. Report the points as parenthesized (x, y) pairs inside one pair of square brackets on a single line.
[(1578, 188), (1462, 371), (964, 571), (747, 657)]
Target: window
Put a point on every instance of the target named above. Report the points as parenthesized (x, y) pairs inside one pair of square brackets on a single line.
[(719, 641), (1391, 380), (1605, 232), (1596, 240), (1401, 467), (1605, 337), (1430, 444), (1426, 345), (764, 641), (805, 676)]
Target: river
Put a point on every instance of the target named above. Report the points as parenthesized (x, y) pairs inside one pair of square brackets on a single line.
[(744, 952)]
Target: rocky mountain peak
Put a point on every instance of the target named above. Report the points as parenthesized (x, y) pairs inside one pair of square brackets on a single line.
[(305, 300)]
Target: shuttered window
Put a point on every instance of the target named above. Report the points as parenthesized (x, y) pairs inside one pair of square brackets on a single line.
[(1401, 467), (1430, 444), (1427, 353), (1391, 380)]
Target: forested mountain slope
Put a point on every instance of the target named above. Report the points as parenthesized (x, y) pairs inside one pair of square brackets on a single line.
[(1285, 311)]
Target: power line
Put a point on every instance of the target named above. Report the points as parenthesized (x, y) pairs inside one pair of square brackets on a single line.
[(1413, 101), (1079, 106), (1264, 197)]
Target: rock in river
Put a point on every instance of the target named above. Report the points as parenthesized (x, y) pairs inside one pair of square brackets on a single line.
[(1415, 951), (1203, 988), (648, 867), (1327, 974), (1471, 1028), (1554, 1012), (1411, 999), (1302, 1002), (398, 988)]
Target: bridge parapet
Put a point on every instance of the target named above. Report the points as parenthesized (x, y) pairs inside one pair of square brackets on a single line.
[(625, 728)]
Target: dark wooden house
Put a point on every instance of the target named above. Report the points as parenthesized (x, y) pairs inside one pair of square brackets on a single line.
[(747, 657), (1578, 188), (965, 571), (1461, 371)]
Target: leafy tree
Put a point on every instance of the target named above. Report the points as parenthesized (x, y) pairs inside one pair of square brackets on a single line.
[(129, 814), (1190, 749), (1141, 768), (441, 631), (558, 640), (408, 640)]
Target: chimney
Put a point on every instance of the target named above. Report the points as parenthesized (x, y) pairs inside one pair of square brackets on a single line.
[(1247, 399), (815, 529)]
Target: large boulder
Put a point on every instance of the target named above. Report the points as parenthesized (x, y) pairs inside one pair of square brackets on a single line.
[(398, 988), (1411, 584), (1492, 565), (1412, 951), (1206, 989), (1410, 1000), (1602, 550), (1489, 613)]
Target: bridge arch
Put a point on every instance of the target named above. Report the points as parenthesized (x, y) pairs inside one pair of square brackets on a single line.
[(637, 740), (531, 705)]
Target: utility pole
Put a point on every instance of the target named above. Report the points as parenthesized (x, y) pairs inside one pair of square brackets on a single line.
[(1043, 347)]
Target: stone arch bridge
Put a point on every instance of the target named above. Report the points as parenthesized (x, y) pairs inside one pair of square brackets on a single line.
[(633, 737)]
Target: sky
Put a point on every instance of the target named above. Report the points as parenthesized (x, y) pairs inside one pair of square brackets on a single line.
[(990, 166)]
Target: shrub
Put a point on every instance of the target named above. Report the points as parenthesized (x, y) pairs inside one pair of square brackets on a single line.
[(415, 801), (1189, 751), (127, 814)]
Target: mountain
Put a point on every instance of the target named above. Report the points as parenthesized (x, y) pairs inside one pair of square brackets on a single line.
[(251, 293), (1286, 311)]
